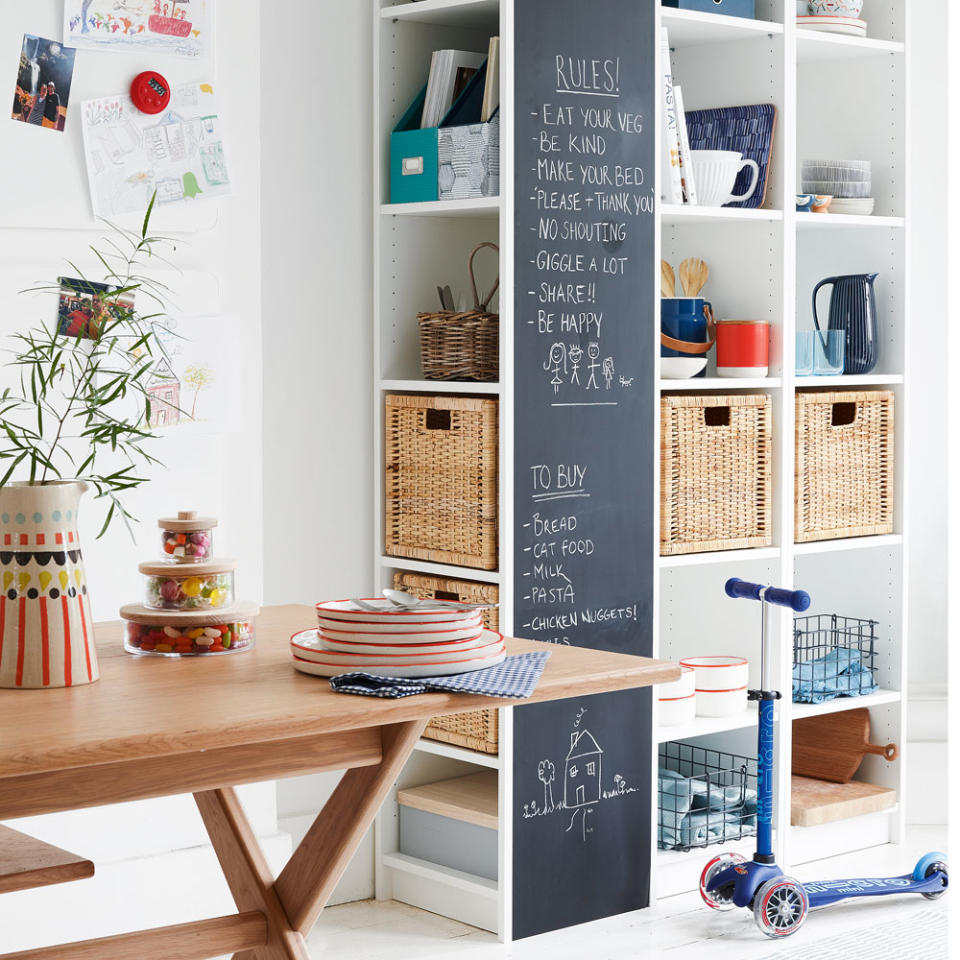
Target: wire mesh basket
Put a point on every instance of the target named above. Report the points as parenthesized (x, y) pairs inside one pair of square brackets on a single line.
[(833, 656), (704, 797)]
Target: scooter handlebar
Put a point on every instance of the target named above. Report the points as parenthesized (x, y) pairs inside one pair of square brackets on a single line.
[(797, 600)]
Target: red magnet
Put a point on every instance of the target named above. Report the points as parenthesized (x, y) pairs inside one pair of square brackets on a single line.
[(150, 92)]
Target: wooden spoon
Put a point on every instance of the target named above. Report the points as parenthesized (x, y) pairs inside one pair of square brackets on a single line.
[(668, 282), (693, 276)]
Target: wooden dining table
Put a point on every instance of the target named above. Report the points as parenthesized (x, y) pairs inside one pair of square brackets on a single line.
[(155, 726)]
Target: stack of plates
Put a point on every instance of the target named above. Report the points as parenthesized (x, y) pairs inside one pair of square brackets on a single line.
[(851, 26), (849, 182), (438, 640), (860, 208)]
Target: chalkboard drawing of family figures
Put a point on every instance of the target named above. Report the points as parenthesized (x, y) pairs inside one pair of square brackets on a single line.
[(608, 371), (556, 362), (582, 788), (593, 355), (575, 353), (43, 83)]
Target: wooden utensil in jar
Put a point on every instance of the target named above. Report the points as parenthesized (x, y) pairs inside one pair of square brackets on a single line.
[(668, 282), (694, 274)]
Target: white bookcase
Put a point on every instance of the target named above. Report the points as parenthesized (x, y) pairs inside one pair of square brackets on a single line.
[(836, 96)]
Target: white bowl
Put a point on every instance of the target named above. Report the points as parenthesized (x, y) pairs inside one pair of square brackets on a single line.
[(721, 703), (678, 710), (841, 189), (684, 687), (719, 673), (681, 368)]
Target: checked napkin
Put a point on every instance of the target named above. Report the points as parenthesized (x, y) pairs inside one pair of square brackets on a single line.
[(515, 677)]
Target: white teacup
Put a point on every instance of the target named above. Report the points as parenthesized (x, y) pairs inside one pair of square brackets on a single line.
[(715, 173)]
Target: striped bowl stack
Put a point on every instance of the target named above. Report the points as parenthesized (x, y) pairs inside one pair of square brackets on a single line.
[(849, 182)]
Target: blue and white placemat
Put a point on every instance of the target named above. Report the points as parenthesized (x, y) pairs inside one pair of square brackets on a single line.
[(516, 677)]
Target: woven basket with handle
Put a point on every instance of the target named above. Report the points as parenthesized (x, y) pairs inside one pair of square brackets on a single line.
[(462, 346)]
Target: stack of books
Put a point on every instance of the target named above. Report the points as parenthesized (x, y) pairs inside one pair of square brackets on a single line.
[(677, 183), (471, 81)]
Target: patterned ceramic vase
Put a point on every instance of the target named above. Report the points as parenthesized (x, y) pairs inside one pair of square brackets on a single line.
[(46, 630)]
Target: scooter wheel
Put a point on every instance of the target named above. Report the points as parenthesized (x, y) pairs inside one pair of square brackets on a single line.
[(780, 907), (928, 865), (719, 899)]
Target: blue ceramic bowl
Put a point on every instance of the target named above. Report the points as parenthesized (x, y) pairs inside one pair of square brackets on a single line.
[(804, 202)]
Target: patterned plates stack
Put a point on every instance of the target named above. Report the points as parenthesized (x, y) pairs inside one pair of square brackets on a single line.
[(430, 641)]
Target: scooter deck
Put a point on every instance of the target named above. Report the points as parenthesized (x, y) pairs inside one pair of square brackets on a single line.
[(822, 893)]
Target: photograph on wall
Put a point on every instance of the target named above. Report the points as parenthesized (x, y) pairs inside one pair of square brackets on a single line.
[(86, 307), (180, 28), (178, 153), (43, 83)]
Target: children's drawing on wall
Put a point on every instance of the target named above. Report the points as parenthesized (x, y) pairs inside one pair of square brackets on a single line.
[(178, 153), (84, 307), (584, 787), (177, 27), (190, 385), (43, 85), (565, 361)]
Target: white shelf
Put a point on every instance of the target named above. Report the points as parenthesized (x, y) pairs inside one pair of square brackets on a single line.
[(701, 855), (722, 383), (719, 557), (441, 569), (439, 386), (849, 543), (838, 221), (704, 726), (851, 381), (813, 46), (477, 886), (801, 710), (475, 14), (452, 752), (684, 213), (690, 28), (483, 207)]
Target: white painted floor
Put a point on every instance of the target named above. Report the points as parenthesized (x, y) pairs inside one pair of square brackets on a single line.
[(679, 928)]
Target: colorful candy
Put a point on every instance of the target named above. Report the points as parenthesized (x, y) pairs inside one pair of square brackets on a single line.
[(206, 586), (171, 639), (187, 538)]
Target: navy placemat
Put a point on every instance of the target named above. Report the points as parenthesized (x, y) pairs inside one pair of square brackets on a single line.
[(516, 677)]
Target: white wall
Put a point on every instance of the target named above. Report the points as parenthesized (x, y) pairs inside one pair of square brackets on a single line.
[(217, 474), (317, 330)]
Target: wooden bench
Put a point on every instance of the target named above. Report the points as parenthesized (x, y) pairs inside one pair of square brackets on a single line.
[(26, 862)]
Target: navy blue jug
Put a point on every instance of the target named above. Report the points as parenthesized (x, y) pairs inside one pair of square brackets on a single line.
[(853, 309)]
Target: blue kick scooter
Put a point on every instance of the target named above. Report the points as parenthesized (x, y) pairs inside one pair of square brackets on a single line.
[(780, 903)]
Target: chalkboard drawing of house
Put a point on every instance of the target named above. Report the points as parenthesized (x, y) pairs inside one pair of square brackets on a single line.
[(581, 774), (164, 390)]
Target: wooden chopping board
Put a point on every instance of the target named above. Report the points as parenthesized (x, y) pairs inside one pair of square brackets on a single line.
[(832, 746), (813, 802)]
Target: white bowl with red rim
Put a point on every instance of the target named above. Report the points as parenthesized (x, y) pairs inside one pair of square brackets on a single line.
[(384, 611), (721, 684), (674, 710)]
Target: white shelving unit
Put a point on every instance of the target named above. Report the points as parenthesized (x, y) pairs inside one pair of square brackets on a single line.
[(764, 264)]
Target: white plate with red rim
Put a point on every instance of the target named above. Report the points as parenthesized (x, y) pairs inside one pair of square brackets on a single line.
[(312, 647), (424, 627), (324, 663), (387, 612), (419, 636), (476, 642)]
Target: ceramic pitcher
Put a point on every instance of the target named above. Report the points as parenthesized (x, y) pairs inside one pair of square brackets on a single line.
[(46, 630), (853, 309)]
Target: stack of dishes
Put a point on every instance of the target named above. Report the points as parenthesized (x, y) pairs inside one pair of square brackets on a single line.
[(375, 636), (833, 16), (849, 182)]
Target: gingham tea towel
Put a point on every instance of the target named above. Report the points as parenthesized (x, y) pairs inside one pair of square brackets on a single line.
[(516, 677)]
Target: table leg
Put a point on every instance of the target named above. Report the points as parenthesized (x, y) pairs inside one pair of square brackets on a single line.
[(309, 878), (247, 874)]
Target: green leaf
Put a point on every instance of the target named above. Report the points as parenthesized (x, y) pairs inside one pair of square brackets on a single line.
[(146, 219)]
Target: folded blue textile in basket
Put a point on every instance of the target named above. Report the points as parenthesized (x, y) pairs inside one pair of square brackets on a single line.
[(840, 673), (702, 829), (694, 813), (516, 677)]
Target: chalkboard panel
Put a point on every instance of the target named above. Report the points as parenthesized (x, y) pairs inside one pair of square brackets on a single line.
[(585, 389)]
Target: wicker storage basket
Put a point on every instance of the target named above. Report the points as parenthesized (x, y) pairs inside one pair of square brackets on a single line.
[(715, 461), (844, 465), (441, 479), (462, 346), (478, 729)]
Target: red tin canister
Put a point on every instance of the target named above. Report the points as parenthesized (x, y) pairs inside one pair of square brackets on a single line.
[(743, 348)]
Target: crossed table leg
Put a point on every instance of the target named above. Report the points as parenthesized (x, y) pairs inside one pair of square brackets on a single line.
[(274, 914)]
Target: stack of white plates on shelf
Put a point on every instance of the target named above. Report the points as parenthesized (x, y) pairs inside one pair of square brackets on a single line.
[(851, 26), (849, 182), (374, 636)]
